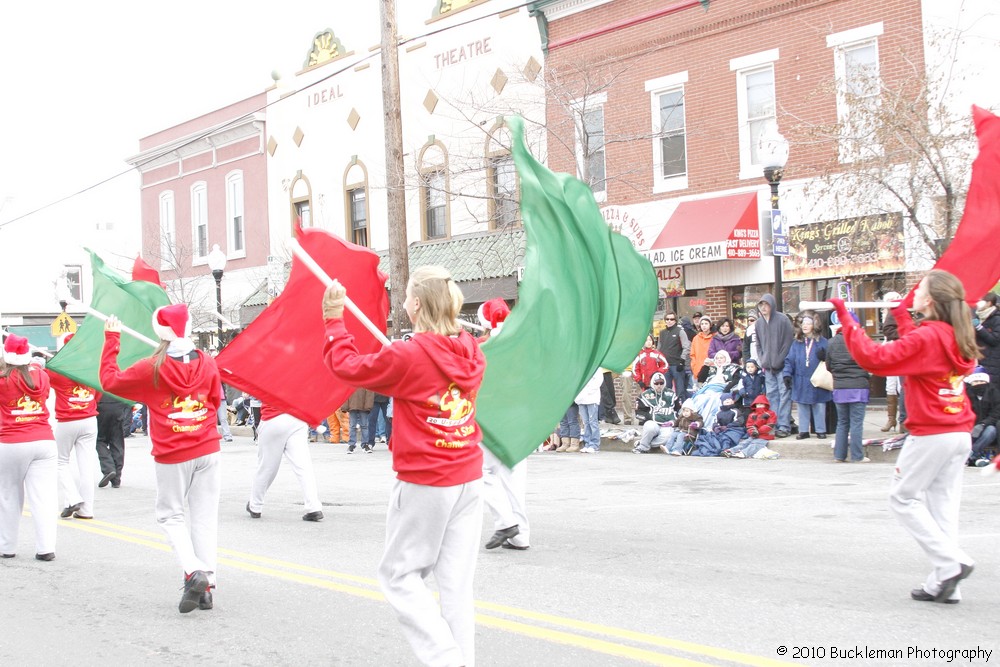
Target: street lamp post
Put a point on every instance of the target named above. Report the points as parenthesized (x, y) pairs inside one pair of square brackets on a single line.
[(217, 263), (773, 153)]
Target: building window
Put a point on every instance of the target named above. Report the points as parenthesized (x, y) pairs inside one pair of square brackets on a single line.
[(235, 232), (858, 90), (302, 213), (756, 106), (168, 229), (503, 192), (300, 201), (435, 204), (359, 216), (590, 144), (669, 132), (199, 220), (74, 277)]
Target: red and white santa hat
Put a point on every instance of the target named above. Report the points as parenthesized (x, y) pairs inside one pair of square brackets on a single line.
[(493, 313), (16, 351), (172, 322)]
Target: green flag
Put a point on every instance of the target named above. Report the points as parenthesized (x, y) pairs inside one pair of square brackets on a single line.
[(133, 302), (586, 301)]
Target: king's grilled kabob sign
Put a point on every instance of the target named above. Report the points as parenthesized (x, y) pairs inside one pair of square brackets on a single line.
[(872, 244)]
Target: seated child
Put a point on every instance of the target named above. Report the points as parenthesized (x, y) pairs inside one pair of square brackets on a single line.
[(760, 430), (685, 431), (985, 399), (727, 416), (660, 403), (751, 386)]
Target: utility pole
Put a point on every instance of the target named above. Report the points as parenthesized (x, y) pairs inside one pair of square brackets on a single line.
[(399, 256)]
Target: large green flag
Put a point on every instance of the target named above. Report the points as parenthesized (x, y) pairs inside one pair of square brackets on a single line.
[(586, 301), (133, 302)]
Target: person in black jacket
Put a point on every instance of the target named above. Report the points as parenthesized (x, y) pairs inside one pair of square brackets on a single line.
[(987, 323), (850, 393), (111, 439), (676, 348), (985, 399)]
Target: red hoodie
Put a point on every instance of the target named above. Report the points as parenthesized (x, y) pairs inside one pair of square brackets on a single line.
[(934, 368), (23, 415), (182, 405), (74, 401), (762, 418), (433, 380)]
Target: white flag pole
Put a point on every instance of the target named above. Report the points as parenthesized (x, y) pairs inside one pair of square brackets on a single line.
[(826, 305), (131, 332), (318, 271)]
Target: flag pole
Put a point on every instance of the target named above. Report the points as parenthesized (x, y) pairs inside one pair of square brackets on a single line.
[(131, 332), (826, 305), (318, 271)]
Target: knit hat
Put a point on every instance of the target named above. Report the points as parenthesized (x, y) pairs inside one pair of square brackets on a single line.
[(705, 318), (658, 376), (978, 374), (16, 351), (689, 404), (725, 397), (172, 322), (493, 313)]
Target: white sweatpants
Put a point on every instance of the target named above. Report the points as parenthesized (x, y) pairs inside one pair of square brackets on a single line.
[(434, 530), (286, 435), (503, 492), (193, 535), (28, 469), (926, 495), (78, 482)]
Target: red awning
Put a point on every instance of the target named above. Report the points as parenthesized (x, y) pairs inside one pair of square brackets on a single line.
[(708, 230)]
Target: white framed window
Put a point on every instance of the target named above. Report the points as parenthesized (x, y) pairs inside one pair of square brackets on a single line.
[(168, 229), (856, 67), (669, 132), (199, 222), (235, 221), (590, 144), (756, 106)]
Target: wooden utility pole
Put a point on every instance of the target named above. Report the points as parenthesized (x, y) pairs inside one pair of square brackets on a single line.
[(399, 257)]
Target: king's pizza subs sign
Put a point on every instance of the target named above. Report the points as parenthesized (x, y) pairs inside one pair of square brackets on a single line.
[(854, 246)]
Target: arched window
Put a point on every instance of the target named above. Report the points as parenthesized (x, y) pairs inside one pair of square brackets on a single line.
[(300, 198), (357, 226), (235, 223), (168, 229), (435, 215), (503, 193)]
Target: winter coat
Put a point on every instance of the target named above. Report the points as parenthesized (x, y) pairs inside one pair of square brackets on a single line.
[(753, 386), (988, 338), (659, 406), (800, 366), (699, 351), (729, 342), (774, 337), (362, 399), (846, 372), (649, 361), (985, 399), (675, 345), (591, 392), (762, 418)]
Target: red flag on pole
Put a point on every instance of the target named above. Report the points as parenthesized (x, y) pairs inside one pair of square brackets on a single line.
[(970, 256), (279, 357), (143, 271)]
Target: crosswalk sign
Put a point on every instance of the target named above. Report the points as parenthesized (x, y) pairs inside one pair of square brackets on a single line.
[(63, 324)]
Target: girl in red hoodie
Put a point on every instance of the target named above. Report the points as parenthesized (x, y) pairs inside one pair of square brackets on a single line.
[(934, 356), (435, 514), (181, 388), (27, 451)]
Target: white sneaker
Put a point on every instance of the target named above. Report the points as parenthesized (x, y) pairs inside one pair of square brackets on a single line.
[(588, 450), (674, 453)]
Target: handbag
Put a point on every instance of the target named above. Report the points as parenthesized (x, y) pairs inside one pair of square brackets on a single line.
[(822, 378)]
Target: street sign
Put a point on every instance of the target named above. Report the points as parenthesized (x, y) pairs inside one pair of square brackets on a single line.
[(780, 247), (63, 324)]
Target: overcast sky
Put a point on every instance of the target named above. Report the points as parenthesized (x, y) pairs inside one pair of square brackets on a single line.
[(84, 81)]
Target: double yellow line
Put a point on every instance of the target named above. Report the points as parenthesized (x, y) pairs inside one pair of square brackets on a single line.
[(594, 637)]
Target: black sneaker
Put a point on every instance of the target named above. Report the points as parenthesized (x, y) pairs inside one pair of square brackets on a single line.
[(501, 536), (107, 478), (205, 601), (195, 584), (313, 516), (921, 595), (46, 557), (253, 515), (68, 511), (350, 449)]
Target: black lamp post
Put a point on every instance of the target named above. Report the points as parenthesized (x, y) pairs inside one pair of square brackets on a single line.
[(217, 263), (773, 153)]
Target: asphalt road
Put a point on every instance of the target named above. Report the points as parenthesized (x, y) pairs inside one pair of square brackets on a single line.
[(634, 559)]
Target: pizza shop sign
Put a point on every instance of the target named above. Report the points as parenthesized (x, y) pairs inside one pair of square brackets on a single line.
[(620, 220)]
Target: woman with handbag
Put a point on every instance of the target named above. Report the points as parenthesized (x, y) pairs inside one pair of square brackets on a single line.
[(805, 355), (850, 393)]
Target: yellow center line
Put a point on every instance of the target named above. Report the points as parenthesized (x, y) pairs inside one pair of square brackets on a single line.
[(314, 576)]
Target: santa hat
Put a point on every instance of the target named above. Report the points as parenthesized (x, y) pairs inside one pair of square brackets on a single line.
[(493, 313), (172, 322), (62, 340), (16, 351), (978, 374)]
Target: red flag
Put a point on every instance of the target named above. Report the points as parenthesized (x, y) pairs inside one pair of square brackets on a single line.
[(969, 256), (279, 357), (143, 271)]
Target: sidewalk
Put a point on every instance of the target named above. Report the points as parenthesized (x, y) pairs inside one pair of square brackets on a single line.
[(789, 448)]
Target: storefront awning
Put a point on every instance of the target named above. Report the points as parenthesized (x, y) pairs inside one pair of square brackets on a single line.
[(709, 230)]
